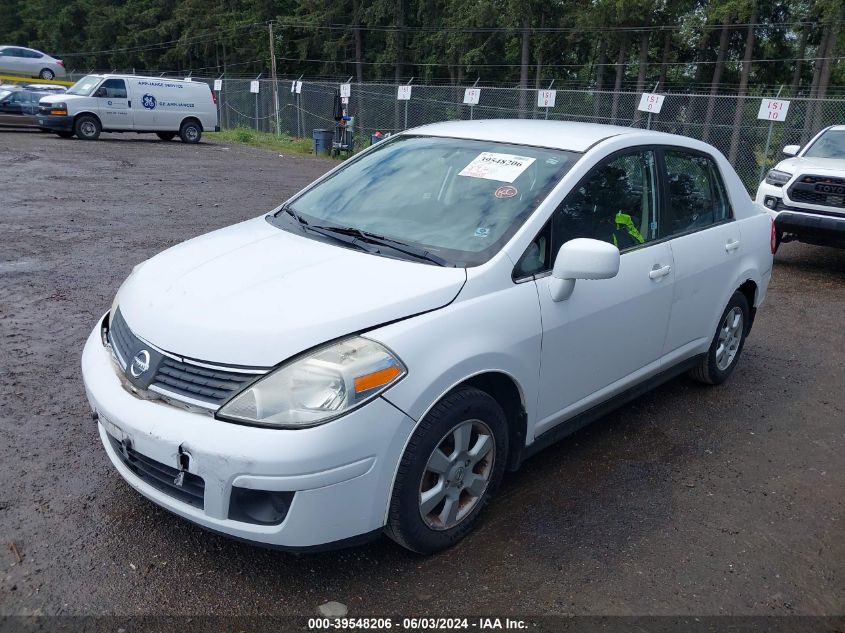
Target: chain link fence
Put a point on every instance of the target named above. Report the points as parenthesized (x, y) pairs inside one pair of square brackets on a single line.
[(726, 121)]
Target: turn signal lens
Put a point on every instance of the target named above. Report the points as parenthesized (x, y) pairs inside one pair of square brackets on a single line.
[(376, 379), (774, 238)]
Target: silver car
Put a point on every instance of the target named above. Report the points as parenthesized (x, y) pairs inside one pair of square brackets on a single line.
[(30, 62)]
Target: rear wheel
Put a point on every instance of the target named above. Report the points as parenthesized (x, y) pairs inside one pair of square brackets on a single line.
[(190, 132), (452, 465), (166, 136), (87, 128), (727, 343), (46, 73)]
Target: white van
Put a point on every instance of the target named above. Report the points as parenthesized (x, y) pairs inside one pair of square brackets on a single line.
[(128, 103)]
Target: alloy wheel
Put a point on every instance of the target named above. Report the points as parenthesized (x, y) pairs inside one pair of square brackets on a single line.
[(730, 337)]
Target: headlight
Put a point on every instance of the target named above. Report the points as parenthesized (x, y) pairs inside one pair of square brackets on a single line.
[(58, 108), (777, 178), (319, 387)]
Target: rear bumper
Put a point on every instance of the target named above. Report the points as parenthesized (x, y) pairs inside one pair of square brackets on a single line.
[(55, 123)]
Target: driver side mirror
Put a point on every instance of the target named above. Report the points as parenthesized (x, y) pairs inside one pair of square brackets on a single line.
[(791, 150), (582, 258), (101, 92)]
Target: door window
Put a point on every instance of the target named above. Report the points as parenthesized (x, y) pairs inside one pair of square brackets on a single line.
[(113, 89), (696, 196), (616, 202)]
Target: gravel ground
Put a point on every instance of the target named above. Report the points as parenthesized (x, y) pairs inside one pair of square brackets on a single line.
[(691, 500)]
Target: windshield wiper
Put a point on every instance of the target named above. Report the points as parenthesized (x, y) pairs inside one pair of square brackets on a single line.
[(289, 210), (381, 240)]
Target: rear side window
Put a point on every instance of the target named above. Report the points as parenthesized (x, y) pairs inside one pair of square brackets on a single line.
[(696, 196)]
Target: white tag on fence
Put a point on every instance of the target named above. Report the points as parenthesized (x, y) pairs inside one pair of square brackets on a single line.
[(345, 90), (404, 93), (218, 85), (472, 95), (651, 102), (298, 87), (773, 110), (546, 98), (254, 86)]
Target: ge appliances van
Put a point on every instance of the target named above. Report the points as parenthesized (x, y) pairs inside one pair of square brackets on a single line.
[(127, 103)]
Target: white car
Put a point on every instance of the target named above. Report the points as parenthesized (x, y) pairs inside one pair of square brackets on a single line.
[(373, 354), (28, 61), (129, 103), (806, 193)]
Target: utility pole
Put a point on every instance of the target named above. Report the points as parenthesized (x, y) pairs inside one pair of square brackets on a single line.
[(273, 79)]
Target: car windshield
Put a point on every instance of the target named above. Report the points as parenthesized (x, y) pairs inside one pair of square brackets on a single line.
[(831, 144), (4, 93), (84, 86), (457, 199)]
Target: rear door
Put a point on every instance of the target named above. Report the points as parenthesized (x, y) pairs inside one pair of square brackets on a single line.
[(706, 244), (113, 105)]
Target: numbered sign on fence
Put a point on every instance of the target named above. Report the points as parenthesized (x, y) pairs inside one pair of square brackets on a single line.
[(546, 98), (299, 87), (404, 93), (345, 90), (254, 86), (472, 95), (651, 102), (218, 85), (344, 100), (292, 87), (773, 110)]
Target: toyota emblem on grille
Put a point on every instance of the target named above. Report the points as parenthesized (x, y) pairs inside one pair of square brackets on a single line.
[(140, 363)]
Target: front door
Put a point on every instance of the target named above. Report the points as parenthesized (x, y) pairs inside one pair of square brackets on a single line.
[(113, 105), (608, 333)]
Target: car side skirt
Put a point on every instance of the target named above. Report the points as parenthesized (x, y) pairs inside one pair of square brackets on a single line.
[(577, 422)]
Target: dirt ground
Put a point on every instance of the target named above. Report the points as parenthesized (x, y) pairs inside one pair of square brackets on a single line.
[(691, 500)]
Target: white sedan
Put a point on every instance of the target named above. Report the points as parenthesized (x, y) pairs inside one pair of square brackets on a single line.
[(30, 62), (372, 355)]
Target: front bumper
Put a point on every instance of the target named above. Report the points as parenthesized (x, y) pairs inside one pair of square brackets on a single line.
[(55, 123), (341, 473), (805, 223)]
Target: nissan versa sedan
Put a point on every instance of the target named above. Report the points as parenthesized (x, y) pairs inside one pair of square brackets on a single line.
[(376, 352), (28, 61)]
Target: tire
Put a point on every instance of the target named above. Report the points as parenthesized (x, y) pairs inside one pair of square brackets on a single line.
[(166, 136), (46, 73), (190, 132), (719, 363), (466, 433), (65, 134), (87, 128)]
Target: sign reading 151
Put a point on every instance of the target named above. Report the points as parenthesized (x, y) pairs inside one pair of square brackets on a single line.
[(773, 109)]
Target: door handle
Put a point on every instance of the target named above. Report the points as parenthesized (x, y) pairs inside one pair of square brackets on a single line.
[(657, 272), (128, 104), (731, 246)]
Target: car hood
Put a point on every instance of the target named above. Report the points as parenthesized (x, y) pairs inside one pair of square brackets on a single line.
[(253, 294), (821, 166)]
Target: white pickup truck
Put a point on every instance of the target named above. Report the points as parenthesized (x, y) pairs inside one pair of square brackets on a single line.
[(806, 193)]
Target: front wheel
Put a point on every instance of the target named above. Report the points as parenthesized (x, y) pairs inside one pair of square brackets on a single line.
[(726, 347), (87, 128), (452, 465), (46, 73), (190, 132)]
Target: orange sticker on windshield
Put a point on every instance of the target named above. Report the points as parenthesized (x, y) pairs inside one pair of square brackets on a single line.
[(506, 191)]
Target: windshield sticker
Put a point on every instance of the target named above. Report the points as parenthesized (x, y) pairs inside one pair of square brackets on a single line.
[(482, 232), (493, 166), (506, 191)]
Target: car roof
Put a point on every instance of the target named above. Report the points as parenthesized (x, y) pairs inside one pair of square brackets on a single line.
[(565, 135), (168, 79)]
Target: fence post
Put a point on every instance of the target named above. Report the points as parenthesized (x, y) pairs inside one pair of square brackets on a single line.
[(406, 106)]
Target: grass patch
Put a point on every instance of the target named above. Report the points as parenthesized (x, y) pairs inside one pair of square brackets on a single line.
[(264, 140)]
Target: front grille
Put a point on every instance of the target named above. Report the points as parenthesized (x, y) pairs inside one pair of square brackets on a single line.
[(162, 477), (179, 378), (820, 190)]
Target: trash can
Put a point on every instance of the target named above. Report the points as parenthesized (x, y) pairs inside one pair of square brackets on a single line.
[(323, 141)]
